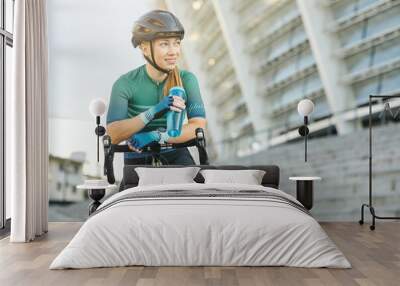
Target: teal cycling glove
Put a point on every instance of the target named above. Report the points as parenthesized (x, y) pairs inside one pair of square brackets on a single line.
[(141, 140), (157, 110)]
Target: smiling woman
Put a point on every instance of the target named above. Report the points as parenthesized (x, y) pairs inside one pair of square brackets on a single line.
[(140, 98)]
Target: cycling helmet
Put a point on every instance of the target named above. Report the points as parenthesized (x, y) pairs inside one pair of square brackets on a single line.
[(153, 25), (156, 24)]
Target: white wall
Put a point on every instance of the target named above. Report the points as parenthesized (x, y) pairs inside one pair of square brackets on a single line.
[(89, 48)]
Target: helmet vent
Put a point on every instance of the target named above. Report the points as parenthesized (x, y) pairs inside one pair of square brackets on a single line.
[(142, 29), (156, 22)]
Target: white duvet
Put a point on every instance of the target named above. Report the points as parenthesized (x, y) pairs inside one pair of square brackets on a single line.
[(181, 231)]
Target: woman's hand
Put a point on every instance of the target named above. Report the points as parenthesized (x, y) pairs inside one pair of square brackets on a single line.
[(139, 140), (178, 104), (174, 103)]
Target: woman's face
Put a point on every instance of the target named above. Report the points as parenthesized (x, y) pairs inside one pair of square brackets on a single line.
[(166, 51)]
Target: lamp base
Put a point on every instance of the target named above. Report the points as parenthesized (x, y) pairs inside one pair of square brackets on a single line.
[(303, 130), (100, 130)]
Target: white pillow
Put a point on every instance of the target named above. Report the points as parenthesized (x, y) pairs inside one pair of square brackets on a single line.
[(249, 177), (162, 176)]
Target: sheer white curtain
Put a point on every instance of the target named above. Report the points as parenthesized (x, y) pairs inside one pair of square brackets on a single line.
[(28, 156)]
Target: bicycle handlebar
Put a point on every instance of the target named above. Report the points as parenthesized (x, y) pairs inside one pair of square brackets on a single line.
[(153, 149)]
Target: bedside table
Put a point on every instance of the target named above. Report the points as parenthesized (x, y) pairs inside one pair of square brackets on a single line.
[(96, 191), (304, 190)]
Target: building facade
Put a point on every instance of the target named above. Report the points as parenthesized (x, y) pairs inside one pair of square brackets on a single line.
[(257, 59), (64, 177)]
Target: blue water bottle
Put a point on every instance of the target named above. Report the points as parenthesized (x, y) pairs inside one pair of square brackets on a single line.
[(174, 118)]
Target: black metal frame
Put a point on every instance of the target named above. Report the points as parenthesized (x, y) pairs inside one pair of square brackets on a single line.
[(6, 39), (370, 206)]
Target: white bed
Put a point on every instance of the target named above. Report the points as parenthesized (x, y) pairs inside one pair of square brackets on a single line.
[(249, 225)]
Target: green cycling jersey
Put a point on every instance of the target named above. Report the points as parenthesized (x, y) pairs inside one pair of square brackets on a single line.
[(135, 92)]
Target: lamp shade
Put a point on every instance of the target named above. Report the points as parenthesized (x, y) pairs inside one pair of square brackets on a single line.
[(97, 107), (305, 107)]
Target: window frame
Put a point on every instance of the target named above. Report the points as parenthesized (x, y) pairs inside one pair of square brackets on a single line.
[(6, 39)]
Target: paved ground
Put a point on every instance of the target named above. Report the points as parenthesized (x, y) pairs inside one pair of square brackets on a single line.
[(71, 212)]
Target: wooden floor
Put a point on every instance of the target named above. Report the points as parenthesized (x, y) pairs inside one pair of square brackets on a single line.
[(374, 255)]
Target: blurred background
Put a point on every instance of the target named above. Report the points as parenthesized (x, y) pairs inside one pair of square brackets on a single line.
[(255, 60)]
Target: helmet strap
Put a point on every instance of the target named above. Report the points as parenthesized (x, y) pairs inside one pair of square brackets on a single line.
[(152, 61)]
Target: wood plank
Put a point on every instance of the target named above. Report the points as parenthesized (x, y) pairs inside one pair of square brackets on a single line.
[(374, 255)]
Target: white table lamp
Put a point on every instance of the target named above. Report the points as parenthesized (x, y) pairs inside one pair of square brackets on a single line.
[(97, 107), (305, 108)]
